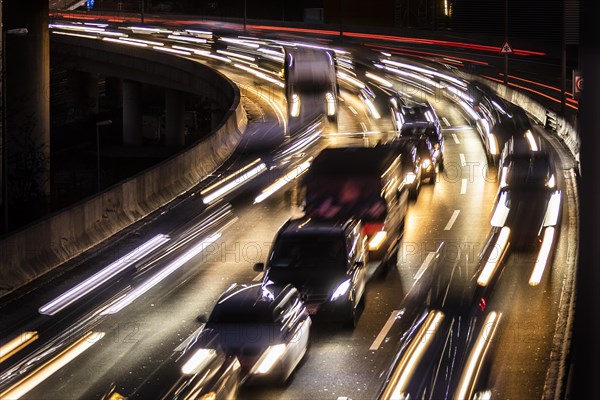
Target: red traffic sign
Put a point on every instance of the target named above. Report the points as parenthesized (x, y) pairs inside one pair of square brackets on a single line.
[(506, 48), (578, 83)]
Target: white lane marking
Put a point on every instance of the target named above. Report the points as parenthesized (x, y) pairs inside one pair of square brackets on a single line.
[(384, 331), (455, 138), (258, 277), (452, 220), (425, 265), (363, 126), (353, 110), (463, 160), (446, 121), (463, 186)]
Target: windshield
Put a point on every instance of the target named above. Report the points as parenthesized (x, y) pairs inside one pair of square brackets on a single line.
[(259, 313)]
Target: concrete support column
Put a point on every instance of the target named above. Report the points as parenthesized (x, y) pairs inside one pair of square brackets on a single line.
[(27, 85), (83, 88), (132, 113), (114, 92), (90, 93), (175, 109)]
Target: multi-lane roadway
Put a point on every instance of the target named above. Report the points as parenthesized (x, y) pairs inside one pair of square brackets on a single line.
[(212, 235)]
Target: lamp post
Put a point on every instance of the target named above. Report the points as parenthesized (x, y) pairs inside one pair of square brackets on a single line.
[(506, 41), (98, 125), (245, 16), (5, 33)]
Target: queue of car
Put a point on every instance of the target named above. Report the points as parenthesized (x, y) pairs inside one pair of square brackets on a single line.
[(355, 203)]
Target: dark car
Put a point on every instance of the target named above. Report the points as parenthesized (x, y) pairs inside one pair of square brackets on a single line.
[(512, 122), (326, 261), (525, 162), (429, 158), (421, 120), (197, 369), (527, 200), (266, 326)]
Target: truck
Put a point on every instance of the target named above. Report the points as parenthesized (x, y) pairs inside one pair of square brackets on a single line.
[(311, 86), (365, 183)]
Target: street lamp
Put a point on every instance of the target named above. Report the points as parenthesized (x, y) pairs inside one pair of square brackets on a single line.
[(5, 33), (98, 125)]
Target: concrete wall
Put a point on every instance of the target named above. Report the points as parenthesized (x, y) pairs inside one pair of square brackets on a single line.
[(37, 249)]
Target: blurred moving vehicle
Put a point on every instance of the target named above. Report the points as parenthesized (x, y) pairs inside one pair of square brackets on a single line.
[(310, 83), (326, 261), (422, 120), (197, 369), (512, 122), (365, 183), (266, 326), (429, 155), (528, 200), (411, 164)]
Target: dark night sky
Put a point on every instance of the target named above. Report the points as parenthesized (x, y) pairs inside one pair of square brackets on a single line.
[(538, 20)]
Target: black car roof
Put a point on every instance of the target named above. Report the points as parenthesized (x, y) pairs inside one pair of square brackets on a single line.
[(352, 160), (312, 226)]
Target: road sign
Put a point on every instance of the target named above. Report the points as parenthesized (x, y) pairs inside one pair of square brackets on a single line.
[(506, 48), (577, 83)]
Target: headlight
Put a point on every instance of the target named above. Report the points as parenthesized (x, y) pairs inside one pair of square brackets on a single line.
[(208, 396), (493, 144), (197, 361), (269, 358), (330, 100), (295, 109), (551, 182), (503, 174), (410, 178), (532, 143), (341, 290), (377, 239), (117, 396), (426, 163)]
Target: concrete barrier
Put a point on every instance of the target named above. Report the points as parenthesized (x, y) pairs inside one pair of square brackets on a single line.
[(38, 248)]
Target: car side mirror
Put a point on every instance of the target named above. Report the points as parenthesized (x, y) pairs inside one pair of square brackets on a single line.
[(202, 319), (259, 267)]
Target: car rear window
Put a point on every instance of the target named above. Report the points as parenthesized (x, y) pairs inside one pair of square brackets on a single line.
[(309, 251), (230, 313)]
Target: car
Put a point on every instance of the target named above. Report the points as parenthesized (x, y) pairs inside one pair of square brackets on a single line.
[(265, 325), (326, 261), (525, 162), (512, 122), (528, 200), (421, 119), (428, 155), (198, 368)]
